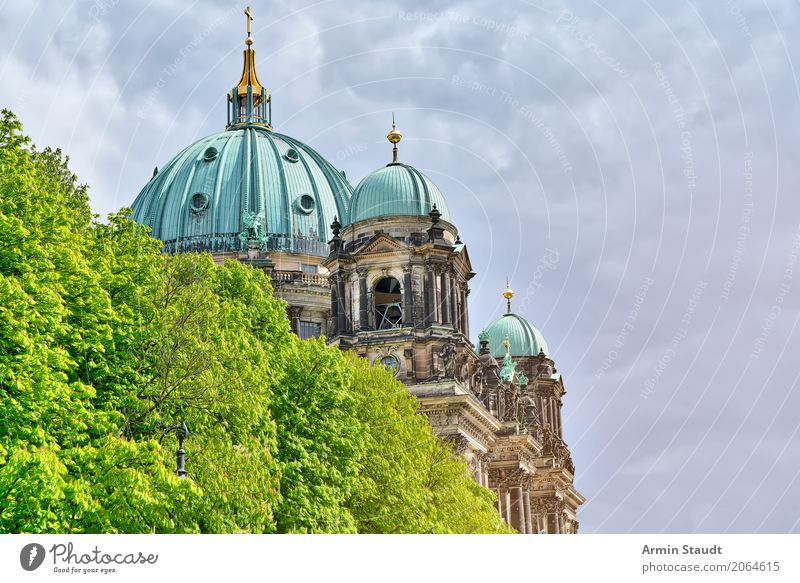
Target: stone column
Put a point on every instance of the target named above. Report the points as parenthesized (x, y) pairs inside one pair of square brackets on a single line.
[(541, 515), (453, 299), (363, 313), (526, 499), (408, 298), (431, 316), (484, 457), (341, 311), (557, 521), (445, 296), (334, 306), (505, 505), (517, 509), (464, 311), (456, 305)]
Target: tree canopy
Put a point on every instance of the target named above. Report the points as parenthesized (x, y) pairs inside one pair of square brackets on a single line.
[(106, 343)]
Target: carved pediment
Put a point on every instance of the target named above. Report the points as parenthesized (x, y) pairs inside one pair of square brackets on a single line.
[(464, 256), (381, 243)]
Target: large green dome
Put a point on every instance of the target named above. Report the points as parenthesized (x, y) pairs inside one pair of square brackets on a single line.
[(247, 184), (396, 189), (524, 338)]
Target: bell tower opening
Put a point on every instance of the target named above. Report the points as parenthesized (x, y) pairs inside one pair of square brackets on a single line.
[(388, 304)]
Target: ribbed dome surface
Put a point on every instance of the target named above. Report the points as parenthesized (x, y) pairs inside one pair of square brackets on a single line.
[(396, 189), (201, 198), (524, 338)]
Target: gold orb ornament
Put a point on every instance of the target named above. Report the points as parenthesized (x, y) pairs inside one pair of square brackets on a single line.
[(394, 136), (508, 294)]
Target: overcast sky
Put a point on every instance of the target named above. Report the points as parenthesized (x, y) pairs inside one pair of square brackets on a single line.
[(630, 166)]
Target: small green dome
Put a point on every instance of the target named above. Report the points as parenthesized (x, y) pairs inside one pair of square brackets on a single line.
[(524, 338), (244, 184), (396, 189)]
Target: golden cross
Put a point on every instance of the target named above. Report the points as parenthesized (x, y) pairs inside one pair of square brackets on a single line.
[(249, 19)]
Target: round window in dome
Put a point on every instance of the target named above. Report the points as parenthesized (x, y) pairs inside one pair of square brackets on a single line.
[(292, 155), (305, 204), (210, 154), (199, 202)]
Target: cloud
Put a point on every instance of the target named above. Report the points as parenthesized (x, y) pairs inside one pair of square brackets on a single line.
[(640, 141)]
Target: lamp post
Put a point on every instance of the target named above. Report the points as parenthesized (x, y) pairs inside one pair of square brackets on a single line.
[(182, 432)]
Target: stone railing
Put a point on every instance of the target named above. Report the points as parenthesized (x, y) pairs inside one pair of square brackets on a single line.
[(231, 242), (300, 277)]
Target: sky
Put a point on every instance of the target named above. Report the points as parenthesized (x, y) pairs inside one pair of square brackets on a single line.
[(628, 165)]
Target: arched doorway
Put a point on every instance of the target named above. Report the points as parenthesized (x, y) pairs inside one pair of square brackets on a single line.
[(388, 304)]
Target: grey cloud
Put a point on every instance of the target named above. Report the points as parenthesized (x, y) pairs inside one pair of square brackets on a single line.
[(548, 126)]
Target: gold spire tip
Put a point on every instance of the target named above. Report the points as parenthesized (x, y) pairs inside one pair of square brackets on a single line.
[(394, 136), (248, 41), (509, 293)]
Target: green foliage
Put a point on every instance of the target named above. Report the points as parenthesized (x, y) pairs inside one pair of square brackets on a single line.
[(410, 481), (320, 440), (65, 466), (105, 343)]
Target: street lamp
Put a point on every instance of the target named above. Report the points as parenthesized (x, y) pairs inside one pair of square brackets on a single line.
[(182, 432)]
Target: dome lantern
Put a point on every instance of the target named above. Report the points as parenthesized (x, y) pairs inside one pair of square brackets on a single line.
[(249, 103)]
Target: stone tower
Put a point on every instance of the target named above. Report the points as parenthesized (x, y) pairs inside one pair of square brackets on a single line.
[(399, 287), (399, 276)]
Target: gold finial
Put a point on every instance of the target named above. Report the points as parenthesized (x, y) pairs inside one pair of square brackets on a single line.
[(507, 344), (249, 76), (394, 137), (508, 294), (249, 16)]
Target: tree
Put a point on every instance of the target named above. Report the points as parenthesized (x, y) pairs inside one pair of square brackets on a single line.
[(410, 480), (105, 343), (64, 464)]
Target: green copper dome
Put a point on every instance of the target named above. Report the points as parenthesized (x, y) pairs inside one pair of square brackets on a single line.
[(247, 186), (396, 189), (523, 337)]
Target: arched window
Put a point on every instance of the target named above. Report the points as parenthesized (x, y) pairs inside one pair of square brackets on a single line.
[(388, 304)]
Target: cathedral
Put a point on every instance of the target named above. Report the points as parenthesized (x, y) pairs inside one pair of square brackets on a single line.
[(379, 269)]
